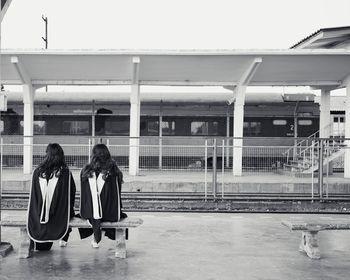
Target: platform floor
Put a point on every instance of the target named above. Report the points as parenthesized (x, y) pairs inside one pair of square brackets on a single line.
[(191, 246), (187, 181), (167, 176)]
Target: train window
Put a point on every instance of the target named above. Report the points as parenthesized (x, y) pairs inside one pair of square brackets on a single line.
[(39, 128), (168, 127), (304, 122), (279, 122), (117, 127), (149, 128), (252, 128), (75, 127), (204, 128)]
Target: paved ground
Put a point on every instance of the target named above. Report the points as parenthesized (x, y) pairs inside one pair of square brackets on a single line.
[(191, 246), (187, 181), (195, 176)]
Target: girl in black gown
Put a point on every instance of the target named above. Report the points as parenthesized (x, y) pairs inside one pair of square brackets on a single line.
[(51, 202), (101, 182)]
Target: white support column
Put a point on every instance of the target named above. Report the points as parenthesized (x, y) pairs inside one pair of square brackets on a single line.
[(238, 121), (238, 114), (28, 120), (28, 114), (325, 113), (347, 132), (134, 141)]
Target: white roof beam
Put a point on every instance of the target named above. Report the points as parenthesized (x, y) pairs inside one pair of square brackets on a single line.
[(135, 69), (4, 9), (246, 77), (21, 71)]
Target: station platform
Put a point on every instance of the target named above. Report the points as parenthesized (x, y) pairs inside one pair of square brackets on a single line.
[(194, 182), (190, 246)]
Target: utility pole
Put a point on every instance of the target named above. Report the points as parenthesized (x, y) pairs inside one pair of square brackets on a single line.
[(46, 39)]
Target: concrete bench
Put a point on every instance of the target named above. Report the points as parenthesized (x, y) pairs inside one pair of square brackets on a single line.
[(26, 249), (309, 231)]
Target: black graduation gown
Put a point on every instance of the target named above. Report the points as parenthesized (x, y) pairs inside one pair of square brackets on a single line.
[(47, 226), (100, 201)]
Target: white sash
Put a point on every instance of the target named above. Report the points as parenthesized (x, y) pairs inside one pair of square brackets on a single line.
[(47, 191), (96, 186)]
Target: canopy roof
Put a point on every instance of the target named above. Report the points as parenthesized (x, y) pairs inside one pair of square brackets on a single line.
[(218, 67), (326, 38)]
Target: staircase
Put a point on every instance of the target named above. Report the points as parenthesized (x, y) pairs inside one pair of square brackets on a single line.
[(303, 157)]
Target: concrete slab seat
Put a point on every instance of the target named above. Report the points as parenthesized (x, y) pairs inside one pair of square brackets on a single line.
[(26, 250), (309, 231)]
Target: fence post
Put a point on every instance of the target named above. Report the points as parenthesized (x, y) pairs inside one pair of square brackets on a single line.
[(223, 169), (328, 153), (89, 147), (320, 169), (160, 160), (205, 169), (312, 168), (214, 168), (1, 151)]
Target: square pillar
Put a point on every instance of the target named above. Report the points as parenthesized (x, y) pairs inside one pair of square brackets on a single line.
[(134, 141), (325, 114), (347, 133), (238, 120), (28, 121)]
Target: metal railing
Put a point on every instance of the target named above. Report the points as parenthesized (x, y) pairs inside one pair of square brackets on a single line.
[(210, 161)]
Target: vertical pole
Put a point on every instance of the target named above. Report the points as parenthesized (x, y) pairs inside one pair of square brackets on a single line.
[(347, 132), (320, 169), (206, 169), (223, 169), (214, 168), (134, 141), (93, 122), (325, 113), (312, 168), (89, 143), (28, 118), (160, 137), (228, 137), (238, 121), (327, 166), (1, 151)]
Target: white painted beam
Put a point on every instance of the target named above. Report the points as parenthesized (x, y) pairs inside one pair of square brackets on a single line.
[(325, 113), (238, 114), (135, 104), (28, 120), (245, 78), (4, 9), (347, 132), (21, 71)]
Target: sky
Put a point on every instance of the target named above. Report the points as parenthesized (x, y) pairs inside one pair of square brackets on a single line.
[(165, 24)]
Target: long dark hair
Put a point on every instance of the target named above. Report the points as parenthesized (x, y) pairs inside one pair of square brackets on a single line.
[(53, 162), (101, 162)]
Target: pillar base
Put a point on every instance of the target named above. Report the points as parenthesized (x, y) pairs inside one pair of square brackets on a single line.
[(5, 249)]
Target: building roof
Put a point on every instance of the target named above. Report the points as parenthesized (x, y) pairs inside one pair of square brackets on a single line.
[(326, 38), (197, 68)]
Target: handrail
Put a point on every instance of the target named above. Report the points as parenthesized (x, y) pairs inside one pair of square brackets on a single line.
[(299, 144)]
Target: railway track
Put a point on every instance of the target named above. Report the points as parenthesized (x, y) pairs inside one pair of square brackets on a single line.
[(201, 196)]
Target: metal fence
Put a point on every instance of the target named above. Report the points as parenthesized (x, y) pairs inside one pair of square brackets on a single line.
[(269, 165)]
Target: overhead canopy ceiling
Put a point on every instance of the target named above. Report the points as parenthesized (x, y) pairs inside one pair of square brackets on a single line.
[(278, 68)]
